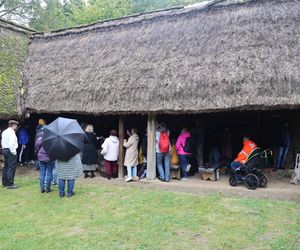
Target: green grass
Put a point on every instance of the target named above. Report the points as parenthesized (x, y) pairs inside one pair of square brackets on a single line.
[(110, 217)]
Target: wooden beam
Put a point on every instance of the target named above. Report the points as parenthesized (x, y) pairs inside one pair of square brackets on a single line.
[(151, 152), (121, 148)]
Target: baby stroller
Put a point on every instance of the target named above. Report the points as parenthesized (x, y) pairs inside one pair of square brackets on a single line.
[(251, 173)]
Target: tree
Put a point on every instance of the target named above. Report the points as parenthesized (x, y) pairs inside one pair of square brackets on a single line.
[(46, 15), (16, 9)]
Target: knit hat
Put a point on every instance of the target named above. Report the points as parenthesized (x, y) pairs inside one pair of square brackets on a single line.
[(42, 122)]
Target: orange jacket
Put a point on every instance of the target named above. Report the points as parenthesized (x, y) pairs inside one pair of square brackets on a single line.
[(246, 151)]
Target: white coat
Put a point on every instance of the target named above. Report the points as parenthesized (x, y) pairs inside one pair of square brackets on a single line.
[(110, 148)]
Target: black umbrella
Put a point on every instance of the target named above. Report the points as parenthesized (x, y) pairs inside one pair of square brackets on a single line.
[(63, 139)]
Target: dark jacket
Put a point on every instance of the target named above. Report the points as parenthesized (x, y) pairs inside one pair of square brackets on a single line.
[(89, 152)]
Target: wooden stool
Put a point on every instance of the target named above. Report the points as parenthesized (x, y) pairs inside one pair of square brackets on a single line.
[(209, 174), (175, 172)]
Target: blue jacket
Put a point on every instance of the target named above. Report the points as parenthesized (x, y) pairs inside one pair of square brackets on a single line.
[(23, 137)]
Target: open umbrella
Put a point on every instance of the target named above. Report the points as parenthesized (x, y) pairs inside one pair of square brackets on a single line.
[(63, 139)]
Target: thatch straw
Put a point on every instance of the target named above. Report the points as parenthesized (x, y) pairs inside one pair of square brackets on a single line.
[(228, 57)]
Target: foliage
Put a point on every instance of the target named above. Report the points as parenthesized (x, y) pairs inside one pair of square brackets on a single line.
[(12, 56), (45, 15), (109, 217)]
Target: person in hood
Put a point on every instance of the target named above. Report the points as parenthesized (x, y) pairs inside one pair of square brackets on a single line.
[(184, 156), (131, 155), (46, 165), (23, 139), (89, 152), (110, 152), (242, 157)]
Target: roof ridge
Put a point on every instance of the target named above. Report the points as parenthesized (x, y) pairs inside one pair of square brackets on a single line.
[(14, 26), (210, 4)]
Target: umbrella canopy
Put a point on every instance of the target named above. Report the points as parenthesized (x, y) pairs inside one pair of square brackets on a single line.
[(63, 139)]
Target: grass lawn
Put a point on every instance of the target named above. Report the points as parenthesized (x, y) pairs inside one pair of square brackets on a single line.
[(111, 217)]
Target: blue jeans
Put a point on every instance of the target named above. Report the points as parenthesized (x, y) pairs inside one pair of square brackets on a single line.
[(61, 186), (54, 175), (235, 165), (131, 171), (160, 157), (184, 160), (282, 153), (46, 169)]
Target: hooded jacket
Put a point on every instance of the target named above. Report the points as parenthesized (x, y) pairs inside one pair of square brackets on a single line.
[(23, 137), (40, 151), (131, 155), (181, 143), (110, 148)]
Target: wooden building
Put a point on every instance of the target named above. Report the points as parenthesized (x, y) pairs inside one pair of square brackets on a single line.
[(211, 58)]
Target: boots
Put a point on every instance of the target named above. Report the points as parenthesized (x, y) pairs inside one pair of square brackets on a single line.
[(86, 174), (92, 174)]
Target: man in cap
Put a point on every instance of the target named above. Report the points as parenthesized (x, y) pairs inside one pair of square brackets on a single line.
[(9, 144)]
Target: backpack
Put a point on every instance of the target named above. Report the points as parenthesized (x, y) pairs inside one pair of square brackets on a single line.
[(188, 146), (164, 143)]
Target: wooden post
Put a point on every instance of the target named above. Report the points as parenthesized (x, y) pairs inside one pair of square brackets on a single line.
[(121, 148), (151, 152)]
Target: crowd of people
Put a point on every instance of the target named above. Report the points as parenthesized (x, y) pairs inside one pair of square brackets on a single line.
[(98, 151)]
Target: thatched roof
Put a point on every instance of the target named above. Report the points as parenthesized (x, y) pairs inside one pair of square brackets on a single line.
[(14, 40), (222, 57)]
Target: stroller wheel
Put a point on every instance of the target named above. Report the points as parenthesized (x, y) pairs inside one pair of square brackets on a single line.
[(251, 181), (233, 181), (263, 180)]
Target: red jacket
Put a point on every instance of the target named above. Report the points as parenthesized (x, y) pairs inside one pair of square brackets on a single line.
[(249, 146)]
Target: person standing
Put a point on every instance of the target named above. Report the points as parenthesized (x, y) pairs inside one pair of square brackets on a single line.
[(183, 148), (46, 164), (39, 127), (284, 143), (163, 149), (131, 155), (9, 144), (110, 152), (68, 171), (89, 152), (23, 139)]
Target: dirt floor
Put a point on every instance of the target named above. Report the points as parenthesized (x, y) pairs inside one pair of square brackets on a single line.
[(276, 189)]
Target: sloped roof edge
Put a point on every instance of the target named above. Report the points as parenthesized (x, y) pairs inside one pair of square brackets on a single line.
[(15, 27), (142, 17)]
